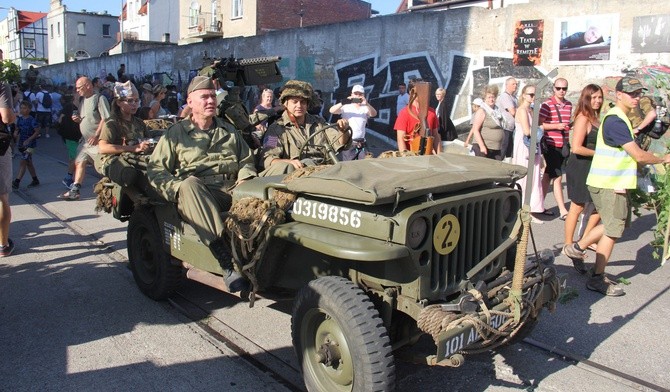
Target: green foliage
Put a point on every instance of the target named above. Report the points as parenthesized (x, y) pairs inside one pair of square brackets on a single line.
[(9, 72), (658, 201)]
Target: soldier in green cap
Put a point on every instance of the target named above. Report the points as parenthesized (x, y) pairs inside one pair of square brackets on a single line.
[(196, 164), (285, 138)]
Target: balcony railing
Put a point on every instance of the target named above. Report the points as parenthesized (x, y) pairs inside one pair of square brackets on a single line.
[(205, 27)]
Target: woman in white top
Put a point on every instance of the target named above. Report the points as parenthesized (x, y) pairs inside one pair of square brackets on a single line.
[(520, 155)]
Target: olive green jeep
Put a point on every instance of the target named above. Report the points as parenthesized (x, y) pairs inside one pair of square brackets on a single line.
[(378, 252)]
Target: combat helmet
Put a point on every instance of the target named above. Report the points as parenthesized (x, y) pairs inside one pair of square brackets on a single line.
[(297, 88)]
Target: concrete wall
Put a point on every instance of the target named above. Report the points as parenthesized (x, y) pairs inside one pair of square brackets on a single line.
[(460, 49)]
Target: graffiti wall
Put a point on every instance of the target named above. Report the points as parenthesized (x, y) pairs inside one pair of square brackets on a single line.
[(461, 77)]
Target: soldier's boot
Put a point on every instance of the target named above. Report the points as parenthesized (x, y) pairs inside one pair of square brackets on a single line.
[(233, 279)]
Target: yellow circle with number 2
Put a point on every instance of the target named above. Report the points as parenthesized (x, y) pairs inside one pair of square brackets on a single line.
[(446, 234)]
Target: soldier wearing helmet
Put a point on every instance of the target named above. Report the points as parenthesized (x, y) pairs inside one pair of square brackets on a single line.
[(285, 138)]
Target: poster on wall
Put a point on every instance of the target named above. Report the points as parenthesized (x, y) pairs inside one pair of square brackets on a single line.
[(586, 39), (651, 34), (528, 42)]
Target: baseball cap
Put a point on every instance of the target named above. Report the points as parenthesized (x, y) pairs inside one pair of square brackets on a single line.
[(629, 85), (358, 89)]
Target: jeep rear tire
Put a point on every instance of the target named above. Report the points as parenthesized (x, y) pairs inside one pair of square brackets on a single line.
[(340, 340), (152, 268)]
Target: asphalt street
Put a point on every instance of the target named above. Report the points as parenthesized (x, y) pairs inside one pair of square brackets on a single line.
[(71, 317)]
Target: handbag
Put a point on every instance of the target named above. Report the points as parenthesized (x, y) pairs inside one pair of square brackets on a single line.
[(540, 138)]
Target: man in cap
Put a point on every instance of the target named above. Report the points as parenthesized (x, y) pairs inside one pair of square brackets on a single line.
[(286, 137), (613, 173), (195, 164), (356, 112)]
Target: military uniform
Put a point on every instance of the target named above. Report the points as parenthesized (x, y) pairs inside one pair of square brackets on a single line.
[(195, 168), (120, 133), (636, 115), (283, 140)]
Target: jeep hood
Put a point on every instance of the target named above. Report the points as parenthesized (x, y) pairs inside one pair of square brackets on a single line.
[(382, 181)]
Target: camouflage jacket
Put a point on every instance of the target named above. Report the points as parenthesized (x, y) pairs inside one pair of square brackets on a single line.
[(283, 140)]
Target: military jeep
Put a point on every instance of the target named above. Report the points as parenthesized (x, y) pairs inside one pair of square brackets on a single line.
[(378, 252)]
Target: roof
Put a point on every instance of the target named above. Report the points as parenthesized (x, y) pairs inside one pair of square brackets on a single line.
[(28, 17)]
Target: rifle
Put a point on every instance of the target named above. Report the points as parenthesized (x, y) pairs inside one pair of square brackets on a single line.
[(419, 142)]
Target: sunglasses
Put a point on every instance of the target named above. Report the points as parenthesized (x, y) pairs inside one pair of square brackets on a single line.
[(635, 94), (131, 101), (561, 88), (530, 95)]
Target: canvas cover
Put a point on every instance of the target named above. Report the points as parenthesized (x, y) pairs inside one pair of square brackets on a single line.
[(377, 181)]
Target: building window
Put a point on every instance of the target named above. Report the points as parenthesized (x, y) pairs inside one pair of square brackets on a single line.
[(193, 14), (215, 14), (105, 30), (236, 12), (81, 54), (59, 29), (29, 43), (81, 28), (52, 30)]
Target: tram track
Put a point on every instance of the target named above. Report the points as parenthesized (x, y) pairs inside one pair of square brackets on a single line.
[(595, 367)]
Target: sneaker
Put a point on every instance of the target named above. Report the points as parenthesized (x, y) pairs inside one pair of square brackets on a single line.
[(576, 256), (34, 183), (48, 136), (7, 250), (603, 285), (15, 183), (67, 181)]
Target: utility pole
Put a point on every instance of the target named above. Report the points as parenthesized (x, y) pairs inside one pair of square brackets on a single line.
[(121, 27)]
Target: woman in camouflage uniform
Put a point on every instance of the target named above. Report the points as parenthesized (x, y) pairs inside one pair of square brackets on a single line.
[(285, 138), (122, 134)]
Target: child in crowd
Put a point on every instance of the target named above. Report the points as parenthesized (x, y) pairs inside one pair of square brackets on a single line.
[(27, 132)]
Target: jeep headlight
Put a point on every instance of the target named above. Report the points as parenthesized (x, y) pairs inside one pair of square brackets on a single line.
[(416, 232)]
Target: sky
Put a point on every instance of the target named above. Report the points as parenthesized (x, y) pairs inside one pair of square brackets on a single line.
[(384, 7)]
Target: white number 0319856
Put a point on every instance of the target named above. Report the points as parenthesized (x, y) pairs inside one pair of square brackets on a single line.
[(317, 210)]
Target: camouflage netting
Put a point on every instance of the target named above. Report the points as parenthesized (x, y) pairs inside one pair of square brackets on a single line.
[(249, 222), (158, 123), (395, 154), (248, 225), (103, 201), (284, 198)]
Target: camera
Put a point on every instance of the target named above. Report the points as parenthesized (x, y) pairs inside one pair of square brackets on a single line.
[(356, 100)]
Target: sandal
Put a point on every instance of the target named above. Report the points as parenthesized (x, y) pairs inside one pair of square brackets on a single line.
[(562, 217)]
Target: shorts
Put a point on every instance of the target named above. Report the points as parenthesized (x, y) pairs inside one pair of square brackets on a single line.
[(86, 152), (44, 119), (26, 153), (555, 162), (72, 146), (614, 210), (6, 172)]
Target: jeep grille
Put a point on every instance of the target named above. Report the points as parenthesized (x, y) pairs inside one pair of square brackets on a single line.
[(485, 222)]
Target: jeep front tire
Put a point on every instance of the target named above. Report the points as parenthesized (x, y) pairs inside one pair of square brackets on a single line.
[(340, 340)]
